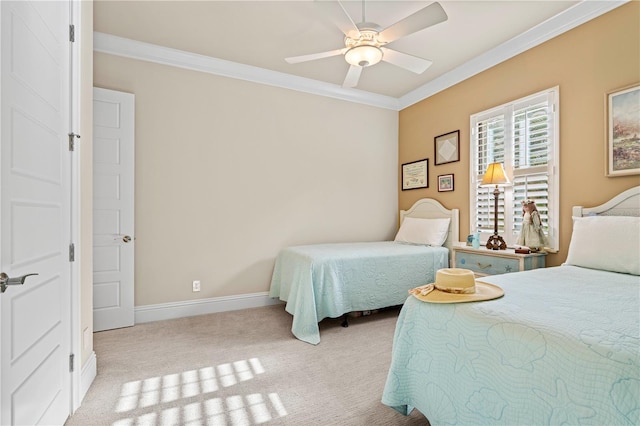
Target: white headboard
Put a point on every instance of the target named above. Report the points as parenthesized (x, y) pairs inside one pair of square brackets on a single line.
[(428, 208), (626, 203)]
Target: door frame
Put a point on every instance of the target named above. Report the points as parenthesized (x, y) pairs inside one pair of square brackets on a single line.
[(77, 393), (1, 399)]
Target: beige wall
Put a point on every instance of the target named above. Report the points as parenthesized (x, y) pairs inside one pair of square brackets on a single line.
[(586, 63), (229, 172)]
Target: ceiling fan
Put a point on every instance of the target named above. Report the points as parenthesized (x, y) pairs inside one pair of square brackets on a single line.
[(365, 42)]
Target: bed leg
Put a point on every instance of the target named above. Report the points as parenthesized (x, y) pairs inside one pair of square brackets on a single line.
[(345, 320)]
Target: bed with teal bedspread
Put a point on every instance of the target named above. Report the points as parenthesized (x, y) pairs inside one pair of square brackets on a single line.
[(328, 280), (562, 346), (539, 355)]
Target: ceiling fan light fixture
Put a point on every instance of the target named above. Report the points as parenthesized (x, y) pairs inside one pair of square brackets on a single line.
[(363, 55)]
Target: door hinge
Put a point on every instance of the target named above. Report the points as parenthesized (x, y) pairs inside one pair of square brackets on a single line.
[(71, 358), (72, 141), (72, 252), (72, 33)]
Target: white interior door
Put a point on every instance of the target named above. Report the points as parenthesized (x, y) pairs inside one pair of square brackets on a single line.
[(35, 212), (113, 220)]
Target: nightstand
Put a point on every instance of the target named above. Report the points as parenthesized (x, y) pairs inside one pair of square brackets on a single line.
[(483, 261)]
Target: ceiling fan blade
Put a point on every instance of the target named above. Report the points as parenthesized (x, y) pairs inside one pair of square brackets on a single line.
[(353, 75), (314, 56), (424, 18), (339, 16), (406, 61)]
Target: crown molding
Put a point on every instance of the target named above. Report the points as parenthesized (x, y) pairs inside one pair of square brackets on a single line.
[(563, 22), (113, 45), (553, 27)]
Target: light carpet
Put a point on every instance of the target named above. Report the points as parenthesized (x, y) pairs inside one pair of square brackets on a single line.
[(243, 368)]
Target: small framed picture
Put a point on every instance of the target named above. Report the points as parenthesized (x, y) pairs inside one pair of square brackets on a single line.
[(623, 123), (415, 175), (447, 148), (445, 183)]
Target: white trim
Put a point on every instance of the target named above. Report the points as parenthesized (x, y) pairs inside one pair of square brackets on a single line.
[(75, 233), (110, 44), (577, 15), (554, 173), (2, 350), (88, 375), (164, 311), (553, 27)]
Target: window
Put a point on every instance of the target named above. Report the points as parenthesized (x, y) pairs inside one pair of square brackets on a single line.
[(523, 135)]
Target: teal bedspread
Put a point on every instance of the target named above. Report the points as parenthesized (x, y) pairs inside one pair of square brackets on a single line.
[(328, 280), (561, 347)]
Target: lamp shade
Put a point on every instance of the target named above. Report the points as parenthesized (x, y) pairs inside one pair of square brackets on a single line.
[(495, 175), (363, 55)]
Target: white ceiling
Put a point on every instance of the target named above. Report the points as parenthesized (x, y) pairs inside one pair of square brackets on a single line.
[(261, 34)]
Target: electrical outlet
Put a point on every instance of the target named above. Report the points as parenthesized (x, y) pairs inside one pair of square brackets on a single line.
[(196, 285)]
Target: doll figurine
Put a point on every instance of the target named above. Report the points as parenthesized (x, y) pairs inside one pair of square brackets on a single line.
[(531, 235)]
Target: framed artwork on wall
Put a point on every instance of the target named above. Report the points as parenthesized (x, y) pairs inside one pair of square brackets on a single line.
[(445, 183), (447, 148), (623, 131), (415, 174)]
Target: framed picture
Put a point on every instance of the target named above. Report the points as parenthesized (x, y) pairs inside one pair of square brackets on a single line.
[(445, 183), (447, 148), (623, 132), (415, 175)]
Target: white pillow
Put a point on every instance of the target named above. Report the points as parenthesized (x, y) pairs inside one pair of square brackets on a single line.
[(610, 243), (431, 232)]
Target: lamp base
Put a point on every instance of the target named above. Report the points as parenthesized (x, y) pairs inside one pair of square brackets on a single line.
[(495, 242)]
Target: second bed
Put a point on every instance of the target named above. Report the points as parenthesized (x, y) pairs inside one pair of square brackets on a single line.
[(329, 280)]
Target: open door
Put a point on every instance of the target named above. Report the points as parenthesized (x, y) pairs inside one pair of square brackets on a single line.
[(35, 317), (113, 214)]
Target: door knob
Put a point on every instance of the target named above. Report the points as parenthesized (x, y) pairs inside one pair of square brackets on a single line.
[(5, 281), (126, 238)]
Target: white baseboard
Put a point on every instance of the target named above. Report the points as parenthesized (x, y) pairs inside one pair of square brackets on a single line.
[(88, 374), (164, 311)]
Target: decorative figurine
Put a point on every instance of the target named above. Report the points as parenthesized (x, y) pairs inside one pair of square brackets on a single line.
[(531, 235)]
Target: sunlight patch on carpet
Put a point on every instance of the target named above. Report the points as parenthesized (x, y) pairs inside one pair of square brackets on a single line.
[(160, 398)]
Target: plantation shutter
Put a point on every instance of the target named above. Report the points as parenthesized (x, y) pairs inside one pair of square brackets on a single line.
[(523, 136), (490, 132)]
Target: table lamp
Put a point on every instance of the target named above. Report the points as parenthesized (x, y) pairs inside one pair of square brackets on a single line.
[(495, 176)]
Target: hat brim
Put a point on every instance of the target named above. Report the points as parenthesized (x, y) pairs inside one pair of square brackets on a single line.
[(484, 291)]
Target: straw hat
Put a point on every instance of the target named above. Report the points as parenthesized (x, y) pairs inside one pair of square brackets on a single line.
[(456, 285)]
